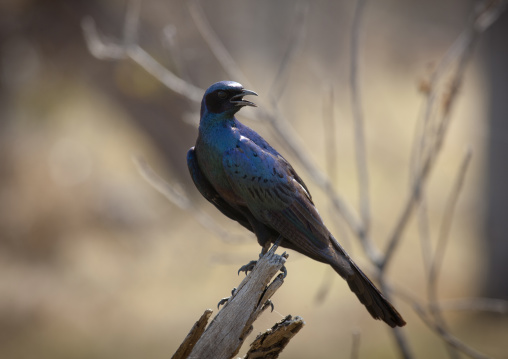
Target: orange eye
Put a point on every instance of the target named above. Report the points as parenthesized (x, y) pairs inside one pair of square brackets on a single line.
[(222, 94)]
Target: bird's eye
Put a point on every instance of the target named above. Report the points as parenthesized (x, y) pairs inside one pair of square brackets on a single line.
[(222, 94)]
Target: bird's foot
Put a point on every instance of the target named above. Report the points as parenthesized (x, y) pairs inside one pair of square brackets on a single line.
[(248, 267), (226, 299)]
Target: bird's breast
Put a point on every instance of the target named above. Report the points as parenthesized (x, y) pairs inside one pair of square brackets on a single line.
[(210, 149)]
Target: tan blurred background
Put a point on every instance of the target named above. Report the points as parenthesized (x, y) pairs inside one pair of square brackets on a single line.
[(94, 263)]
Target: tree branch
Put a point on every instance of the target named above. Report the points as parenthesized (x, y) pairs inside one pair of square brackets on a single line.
[(458, 55), (226, 333), (356, 102), (270, 344)]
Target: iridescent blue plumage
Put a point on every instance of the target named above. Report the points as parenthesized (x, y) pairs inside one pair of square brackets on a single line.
[(236, 170)]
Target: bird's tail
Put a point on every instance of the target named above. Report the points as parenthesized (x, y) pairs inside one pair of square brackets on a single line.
[(377, 305)]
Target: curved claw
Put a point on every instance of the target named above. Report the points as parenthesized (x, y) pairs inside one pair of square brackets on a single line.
[(225, 300), (248, 267), (284, 271), (268, 303), (222, 302)]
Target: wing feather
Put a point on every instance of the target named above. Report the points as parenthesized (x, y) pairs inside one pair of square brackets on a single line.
[(276, 196), (207, 191)]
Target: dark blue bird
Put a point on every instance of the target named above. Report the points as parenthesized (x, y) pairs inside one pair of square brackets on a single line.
[(236, 170)]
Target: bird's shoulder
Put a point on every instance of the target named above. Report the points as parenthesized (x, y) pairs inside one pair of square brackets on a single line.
[(254, 164), (259, 141)]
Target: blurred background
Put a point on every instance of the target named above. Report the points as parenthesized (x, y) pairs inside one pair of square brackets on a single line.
[(94, 263)]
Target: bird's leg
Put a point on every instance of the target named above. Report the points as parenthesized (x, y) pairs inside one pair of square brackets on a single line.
[(250, 266)]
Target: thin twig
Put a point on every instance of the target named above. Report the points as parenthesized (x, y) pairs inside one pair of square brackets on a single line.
[(170, 42), (446, 336), (357, 107), (331, 150), (423, 233), (445, 228), (437, 261), (329, 134), (172, 193), (113, 50), (168, 78), (493, 305), (355, 346), (176, 196), (298, 29), (460, 56), (466, 304), (218, 49), (130, 31), (324, 288)]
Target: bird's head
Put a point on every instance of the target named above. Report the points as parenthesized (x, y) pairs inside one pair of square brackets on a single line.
[(225, 98)]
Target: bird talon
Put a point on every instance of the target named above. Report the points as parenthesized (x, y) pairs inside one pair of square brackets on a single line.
[(226, 299), (222, 302), (268, 303), (248, 267)]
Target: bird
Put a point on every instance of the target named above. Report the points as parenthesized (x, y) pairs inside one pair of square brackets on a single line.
[(247, 180)]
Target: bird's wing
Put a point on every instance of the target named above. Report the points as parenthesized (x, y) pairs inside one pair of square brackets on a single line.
[(267, 184), (207, 190), (261, 142)]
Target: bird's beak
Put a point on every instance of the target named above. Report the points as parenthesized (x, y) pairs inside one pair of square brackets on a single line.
[(239, 101)]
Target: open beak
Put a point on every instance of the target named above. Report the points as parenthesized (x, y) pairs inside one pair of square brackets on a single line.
[(239, 101)]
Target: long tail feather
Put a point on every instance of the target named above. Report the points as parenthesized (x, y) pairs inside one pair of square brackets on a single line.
[(377, 305)]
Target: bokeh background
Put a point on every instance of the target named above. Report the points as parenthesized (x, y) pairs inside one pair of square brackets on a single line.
[(94, 263)]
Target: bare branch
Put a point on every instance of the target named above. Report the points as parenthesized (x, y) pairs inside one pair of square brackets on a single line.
[(130, 31), (331, 150), (355, 346), (492, 305), (176, 196), (462, 50), (329, 134), (168, 78), (173, 194), (446, 336), (325, 286), (299, 29), (356, 102), (444, 235), (423, 233), (230, 327), (195, 333), (112, 50), (467, 303), (218, 49), (441, 247), (100, 47), (270, 344)]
